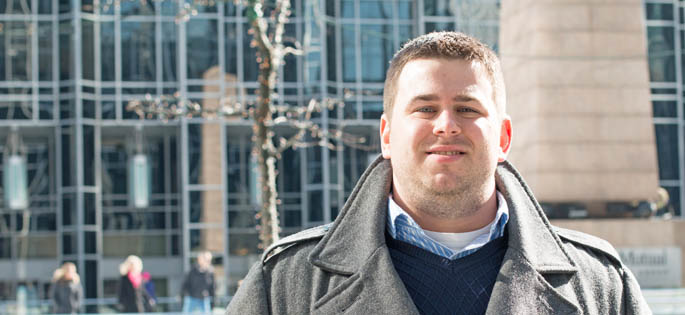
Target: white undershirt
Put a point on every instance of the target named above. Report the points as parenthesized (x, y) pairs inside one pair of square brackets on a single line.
[(458, 241)]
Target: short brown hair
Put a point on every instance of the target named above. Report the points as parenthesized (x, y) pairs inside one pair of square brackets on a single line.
[(447, 45)]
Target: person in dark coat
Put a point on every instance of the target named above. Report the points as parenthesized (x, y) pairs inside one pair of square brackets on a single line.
[(131, 290), (66, 292), (198, 285)]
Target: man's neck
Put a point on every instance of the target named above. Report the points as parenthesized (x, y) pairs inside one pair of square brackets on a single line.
[(483, 216)]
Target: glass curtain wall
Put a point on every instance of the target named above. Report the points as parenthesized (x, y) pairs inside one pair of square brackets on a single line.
[(665, 43), (67, 71)]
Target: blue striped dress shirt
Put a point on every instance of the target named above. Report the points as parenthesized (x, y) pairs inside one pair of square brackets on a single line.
[(403, 228)]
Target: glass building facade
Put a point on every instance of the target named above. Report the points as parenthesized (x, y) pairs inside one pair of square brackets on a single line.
[(69, 67), (67, 71), (666, 49)]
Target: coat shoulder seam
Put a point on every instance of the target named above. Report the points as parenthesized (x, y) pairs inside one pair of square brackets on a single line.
[(292, 240), (592, 242)]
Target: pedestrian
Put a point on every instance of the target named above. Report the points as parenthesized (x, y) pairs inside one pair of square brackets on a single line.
[(66, 291), (198, 285), (150, 296), (131, 295), (441, 222)]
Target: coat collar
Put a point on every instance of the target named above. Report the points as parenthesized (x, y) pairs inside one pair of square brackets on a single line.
[(359, 229), (356, 242)]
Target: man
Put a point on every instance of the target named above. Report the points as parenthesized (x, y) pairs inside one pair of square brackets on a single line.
[(198, 285), (441, 224)]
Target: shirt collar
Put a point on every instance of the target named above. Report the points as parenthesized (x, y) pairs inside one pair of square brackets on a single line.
[(400, 221)]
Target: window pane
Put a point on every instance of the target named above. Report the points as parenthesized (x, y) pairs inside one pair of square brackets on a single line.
[(291, 175), (347, 7), (202, 47), (406, 9), (231, 51), (377, 49), (66, 57), (88, 155), (244, 218), (205, 207), (242, 244), (69, 209), (211, 239), (331, 53), (89, 209), (107, 51), (15, 7), (16, 51), (375, 9), (90, 288), (439, 26), (68, 243), (659, 11), (314, 174), (44, 7), (438, 7), (87, 50), (169, 34), (90, 242), (667, 147), (250, 66), (68, 157), (16, 110), (138, 51), (137, 7), (372, 110), (661, 55), (45, 53), (315, 206), (664, 108), (130, 244), (348, 50)]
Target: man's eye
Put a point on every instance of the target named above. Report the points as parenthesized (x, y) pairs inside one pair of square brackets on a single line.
[(467, 110), (425, 110)]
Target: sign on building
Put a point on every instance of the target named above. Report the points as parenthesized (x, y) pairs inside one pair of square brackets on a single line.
[(654, 267)]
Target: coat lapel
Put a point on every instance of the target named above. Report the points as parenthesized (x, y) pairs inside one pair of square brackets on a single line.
[(534, 256), (355, 246)]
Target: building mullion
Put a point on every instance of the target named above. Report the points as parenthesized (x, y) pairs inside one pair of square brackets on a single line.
[(224, 198), (185, 202), (323, 86), (34, 60), (77, 138), (357, 61), (117, 65), (678, 28), (159, 55)]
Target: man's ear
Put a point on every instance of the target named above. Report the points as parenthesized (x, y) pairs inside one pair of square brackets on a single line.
[(385, 136), (504, 138)]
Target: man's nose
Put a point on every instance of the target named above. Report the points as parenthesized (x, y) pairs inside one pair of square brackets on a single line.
[(446, 124)]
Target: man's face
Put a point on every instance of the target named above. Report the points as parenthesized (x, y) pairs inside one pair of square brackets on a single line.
[(445, 135)]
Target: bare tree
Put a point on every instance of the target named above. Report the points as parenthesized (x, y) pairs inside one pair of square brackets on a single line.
[(268, 37)]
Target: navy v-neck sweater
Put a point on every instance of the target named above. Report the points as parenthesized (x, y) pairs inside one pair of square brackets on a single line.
[(438, 285)]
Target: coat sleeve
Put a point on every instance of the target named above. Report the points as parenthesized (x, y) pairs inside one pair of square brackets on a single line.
[(251, 297), (79, 298), (633, 301)]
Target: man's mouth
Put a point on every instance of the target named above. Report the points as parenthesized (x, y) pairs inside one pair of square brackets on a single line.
[(449, 153)]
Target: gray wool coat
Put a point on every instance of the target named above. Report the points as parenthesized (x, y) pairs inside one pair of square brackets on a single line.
[(345, 267)]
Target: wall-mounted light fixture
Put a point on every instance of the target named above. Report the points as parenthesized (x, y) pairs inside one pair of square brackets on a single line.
[(139, 173), (15, 182)]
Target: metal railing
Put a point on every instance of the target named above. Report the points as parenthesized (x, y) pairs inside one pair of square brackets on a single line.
[(665, 301), (164, 305)]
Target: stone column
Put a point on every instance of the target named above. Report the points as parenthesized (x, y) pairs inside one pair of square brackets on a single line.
[(578, 93)]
